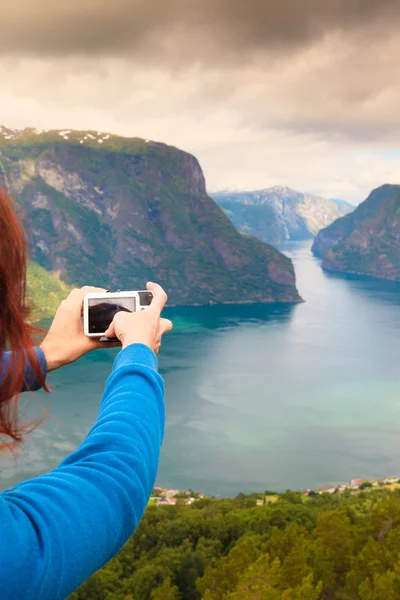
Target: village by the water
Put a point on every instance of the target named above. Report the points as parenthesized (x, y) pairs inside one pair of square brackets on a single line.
[(165, 496)]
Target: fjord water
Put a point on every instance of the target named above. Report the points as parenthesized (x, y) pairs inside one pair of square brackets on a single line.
[(258, 397)]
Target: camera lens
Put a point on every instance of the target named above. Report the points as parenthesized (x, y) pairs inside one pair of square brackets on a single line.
[(145, 298)]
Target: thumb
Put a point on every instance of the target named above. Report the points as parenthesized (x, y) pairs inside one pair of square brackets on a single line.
[(110, 332)]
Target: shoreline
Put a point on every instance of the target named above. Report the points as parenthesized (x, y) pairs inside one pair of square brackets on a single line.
[(171, 496)]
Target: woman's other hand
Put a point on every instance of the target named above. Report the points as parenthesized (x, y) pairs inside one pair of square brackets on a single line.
[(65, 341), (144, 327)]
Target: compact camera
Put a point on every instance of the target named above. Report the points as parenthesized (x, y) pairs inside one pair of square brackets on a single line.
[(100, 309)]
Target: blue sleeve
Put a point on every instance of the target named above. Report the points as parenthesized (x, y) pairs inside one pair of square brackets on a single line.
[(59, 528), (30, 382)]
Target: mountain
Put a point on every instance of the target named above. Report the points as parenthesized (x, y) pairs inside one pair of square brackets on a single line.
[(279, 213), (45, 291), (367, 241), (115, 212)]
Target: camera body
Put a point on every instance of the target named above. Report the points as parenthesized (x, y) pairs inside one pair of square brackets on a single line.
[(99, 309)]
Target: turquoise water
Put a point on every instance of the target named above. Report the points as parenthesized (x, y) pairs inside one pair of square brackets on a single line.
[(258, 396)]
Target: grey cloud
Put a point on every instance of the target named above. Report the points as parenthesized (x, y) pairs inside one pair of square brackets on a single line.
[(202, 72), (180, 30)]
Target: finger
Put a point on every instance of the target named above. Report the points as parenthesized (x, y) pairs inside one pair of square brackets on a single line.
[(94, 344), (114, 344), (74, 301), (97, 345), (110, 332), (165, 326), (117, 324), (159, 296)]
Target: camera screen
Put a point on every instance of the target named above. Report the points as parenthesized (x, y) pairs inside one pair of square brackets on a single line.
[(101, 311)]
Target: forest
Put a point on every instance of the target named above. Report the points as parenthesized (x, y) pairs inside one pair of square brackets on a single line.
[(317, 547)]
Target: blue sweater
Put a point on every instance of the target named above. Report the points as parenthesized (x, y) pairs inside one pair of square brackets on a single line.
[(59, 528)]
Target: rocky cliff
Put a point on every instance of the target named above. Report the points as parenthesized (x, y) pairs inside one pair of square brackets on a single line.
[(116, 212), (367, 241), (279, 213)]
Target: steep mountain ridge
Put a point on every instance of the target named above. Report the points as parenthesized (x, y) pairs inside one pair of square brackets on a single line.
[(280, 213), (114, 211), (367, 241)]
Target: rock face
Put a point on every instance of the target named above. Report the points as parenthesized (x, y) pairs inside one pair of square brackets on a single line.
[(366, 242), (116, 212), (279, 213)]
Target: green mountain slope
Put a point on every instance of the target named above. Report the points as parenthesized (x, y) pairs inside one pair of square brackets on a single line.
[(279, 213), (45, 291), (366, 242), (116, 212)]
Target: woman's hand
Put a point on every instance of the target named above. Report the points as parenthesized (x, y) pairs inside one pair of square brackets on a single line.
[(145, 327), (65, 341)]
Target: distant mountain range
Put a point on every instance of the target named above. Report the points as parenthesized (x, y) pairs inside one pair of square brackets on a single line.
[(367, 241), (115, 212), (280, 213)]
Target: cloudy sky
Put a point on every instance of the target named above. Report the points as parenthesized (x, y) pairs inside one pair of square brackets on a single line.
[(264, 92)]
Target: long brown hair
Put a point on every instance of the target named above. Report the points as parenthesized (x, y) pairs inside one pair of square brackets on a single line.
[(15, 332)]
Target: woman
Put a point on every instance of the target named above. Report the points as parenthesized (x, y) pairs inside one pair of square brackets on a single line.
[(59, 528)]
